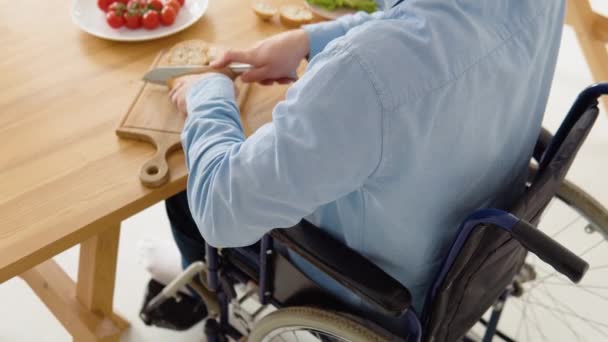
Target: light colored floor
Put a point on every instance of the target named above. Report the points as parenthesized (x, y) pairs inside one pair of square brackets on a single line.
[(25, 318)]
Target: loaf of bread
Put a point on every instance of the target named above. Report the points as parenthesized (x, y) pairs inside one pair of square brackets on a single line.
[(263, 10), (295, 16), (189, 52)]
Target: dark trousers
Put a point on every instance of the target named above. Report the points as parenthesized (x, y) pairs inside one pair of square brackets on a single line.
[(189, 241)]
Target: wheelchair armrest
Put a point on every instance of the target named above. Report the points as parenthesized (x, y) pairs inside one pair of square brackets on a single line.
[(346, 266)]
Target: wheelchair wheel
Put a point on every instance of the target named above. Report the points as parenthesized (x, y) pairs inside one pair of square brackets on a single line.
[(587, 207), (546, 306), (311, 324)]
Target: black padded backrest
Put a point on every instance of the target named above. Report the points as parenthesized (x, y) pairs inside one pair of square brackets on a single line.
[(490, 257), (554, 165)]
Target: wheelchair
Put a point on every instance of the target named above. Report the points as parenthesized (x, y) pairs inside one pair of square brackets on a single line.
[(487, 267)]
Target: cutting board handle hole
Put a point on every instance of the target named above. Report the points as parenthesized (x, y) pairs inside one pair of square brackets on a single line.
[(152, 170)]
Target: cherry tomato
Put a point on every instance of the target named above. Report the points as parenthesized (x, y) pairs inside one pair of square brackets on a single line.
[(175, 4), (117, 7), (132, 5), (132, 19), (155, 5), (168, 15), (137, 5), (104, 4), (151, 20), (114, 19)]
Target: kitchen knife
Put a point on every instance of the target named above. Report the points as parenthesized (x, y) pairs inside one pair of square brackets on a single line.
[(161, 75)]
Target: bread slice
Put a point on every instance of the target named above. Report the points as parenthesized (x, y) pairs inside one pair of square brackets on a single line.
[(263, 10), (295, 15), (189, 52)]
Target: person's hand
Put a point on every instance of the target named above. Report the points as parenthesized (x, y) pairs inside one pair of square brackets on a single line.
[(180, 87), (274, 59)]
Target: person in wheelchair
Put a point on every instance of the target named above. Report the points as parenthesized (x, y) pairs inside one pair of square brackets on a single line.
[(404, 122)]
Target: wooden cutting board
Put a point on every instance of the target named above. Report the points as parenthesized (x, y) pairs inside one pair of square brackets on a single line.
[(153, 119)]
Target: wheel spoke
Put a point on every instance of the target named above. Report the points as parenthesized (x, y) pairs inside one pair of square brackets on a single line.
[(561, 319), (570, 224), (592, 323), (592, 247), (577, 286), (521, 322), (600, 267), (595, 293), (535, 321)]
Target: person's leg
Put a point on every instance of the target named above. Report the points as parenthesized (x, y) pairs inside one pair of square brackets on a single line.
[(165, 260), (164, 264), (185, 232)]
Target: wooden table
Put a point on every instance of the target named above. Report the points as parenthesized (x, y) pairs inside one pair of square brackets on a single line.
[(65, 178)]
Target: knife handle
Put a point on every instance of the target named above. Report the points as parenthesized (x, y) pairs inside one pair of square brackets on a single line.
[(239, 68)]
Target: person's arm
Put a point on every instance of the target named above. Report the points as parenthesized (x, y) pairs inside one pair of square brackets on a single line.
[(275, 59), (324, 142), (319, 35)]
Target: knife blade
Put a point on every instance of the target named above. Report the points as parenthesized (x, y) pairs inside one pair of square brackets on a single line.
[(161, 75)]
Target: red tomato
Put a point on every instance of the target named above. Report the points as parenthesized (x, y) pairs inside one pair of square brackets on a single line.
[(168, 15), (114, 19), (104, 4), (132, 19), (175, 4), (151, 20), (156, 5), (139, 5), (181, 2), (132, 5), (117, 7)]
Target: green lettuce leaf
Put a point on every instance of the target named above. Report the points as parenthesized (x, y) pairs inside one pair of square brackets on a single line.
[(359, 5)]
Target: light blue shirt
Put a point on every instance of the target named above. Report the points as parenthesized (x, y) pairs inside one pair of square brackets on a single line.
[(404, 122)]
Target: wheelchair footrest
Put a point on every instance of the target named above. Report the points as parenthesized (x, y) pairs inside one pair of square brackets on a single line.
[(179, 313)]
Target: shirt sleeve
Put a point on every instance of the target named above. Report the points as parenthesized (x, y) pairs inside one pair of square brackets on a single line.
[(324, 141), (319, 35)]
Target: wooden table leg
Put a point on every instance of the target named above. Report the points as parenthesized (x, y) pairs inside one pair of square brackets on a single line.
[(97, 275), (83, 308), (592, 34)]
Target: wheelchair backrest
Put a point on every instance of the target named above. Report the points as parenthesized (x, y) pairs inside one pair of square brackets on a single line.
[(484, 260)]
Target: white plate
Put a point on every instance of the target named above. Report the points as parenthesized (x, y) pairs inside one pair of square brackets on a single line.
[(331, 15), (91, 19)]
